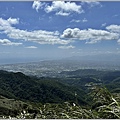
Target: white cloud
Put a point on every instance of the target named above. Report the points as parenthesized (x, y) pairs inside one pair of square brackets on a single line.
[(8, 42), (5, 25), (77, 21), (90, 35), (117, 48), (92, 41), (37, 5), (114, 28), (54, 37), (118, 41), (13, 20), (38, 36), (31, 47), (8, 22), (66, 47), (104, 24), (92, 3), (64, 8), (84, 20), (63, 13)]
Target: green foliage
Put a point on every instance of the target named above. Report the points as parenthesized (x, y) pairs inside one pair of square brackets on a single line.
[(108, 106), (59, 111), (111, 110), (20, 86), (11, 107)]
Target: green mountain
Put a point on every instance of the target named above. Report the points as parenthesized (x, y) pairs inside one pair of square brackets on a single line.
[(43, 90), (23, 96), (87, 77)]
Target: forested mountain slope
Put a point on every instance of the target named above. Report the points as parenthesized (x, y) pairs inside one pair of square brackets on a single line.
[(20, 86), (76, 96)]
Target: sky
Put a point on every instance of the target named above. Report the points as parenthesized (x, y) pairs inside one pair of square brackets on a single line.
[(34, 30)]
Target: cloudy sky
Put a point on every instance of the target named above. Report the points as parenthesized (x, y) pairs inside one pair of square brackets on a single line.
[(46, 30)]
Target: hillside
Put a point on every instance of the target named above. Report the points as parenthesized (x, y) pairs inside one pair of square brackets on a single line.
[(87, 77), (11, 107), (78, 96), (20, 86)]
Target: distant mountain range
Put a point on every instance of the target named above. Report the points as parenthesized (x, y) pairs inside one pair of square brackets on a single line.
[(100, 57)]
